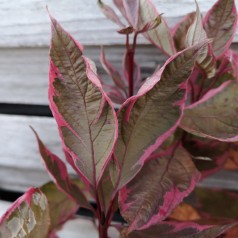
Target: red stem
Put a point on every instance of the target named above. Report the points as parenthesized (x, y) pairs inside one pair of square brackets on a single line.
[(130, 58), (130, 52)]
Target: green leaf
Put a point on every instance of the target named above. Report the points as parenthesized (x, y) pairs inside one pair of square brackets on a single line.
[(106, 190), (61, 208), (28, 217), (215, 115)]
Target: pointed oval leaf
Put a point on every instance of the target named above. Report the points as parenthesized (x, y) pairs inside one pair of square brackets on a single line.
[(181, 29), (147, 119), (160, 36), (106, 191), (180, 230), (159, 187), (121, 7), (58, 171), (84, 113), (110, 13), (61, 208), (132, 11), (196, 34), (220, 25), (112, 71), (214, 116), (28, 217)]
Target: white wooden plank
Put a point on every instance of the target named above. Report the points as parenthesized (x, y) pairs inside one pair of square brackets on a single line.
[(20, 163), (24, 71), (26, 23)]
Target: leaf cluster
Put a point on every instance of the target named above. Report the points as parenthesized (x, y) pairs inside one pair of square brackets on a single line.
[(171, 130)]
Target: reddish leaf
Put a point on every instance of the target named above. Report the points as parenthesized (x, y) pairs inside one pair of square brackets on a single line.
[(132, 10), (160, 36), (27, 217), (110, 13), (209, 155), (85, 115), (197, 34), (58, 171), (181, 29), (121, 7), (142, 130), (220, 25), (61, 208), (112, 71), (106, 192), (213, 115), (158, 188), (179, 230)]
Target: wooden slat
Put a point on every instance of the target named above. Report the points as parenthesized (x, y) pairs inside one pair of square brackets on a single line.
[(20, 163), (26, 23), (24, 71)]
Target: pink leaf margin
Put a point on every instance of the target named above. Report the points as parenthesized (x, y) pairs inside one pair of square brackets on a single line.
[(26, 197), (211, 93), (228, 43), (59, 118), (146, 87)]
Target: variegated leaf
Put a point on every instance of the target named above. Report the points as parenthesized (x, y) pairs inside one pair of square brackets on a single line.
[(115, 75), (215, 115), (61, 208), (147, 119), (106, 191), (197, 34), (179, 230), (28, 217), (84, 114), (58, 171), (220, 24), (181, 29), (160, 36), (160, 186), (110, 13)]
